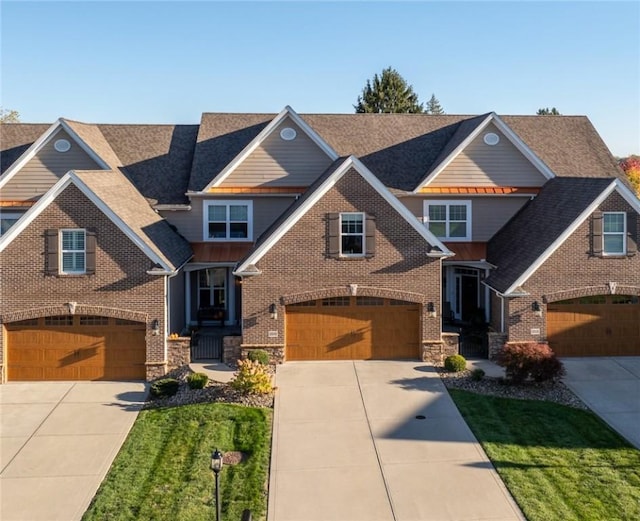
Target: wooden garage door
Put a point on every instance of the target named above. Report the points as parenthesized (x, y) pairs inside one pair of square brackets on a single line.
[(605, 325), (76, 348), (353, 328)]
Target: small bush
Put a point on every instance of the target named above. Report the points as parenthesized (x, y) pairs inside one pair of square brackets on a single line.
[(258, 355), (524, 360), (164, 388), (477, 374), (197, 380), (252, 377), (455, 363)]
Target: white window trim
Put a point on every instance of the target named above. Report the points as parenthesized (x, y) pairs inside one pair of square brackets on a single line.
[(220, 202), (62, 251), (11, 215), (363, 234), (447, 203), (605, 253)]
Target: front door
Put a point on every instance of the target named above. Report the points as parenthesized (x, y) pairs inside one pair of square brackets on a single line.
[(212, 288), (465, 295)]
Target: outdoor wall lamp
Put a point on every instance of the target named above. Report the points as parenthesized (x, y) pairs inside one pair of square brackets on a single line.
[(216, 466), (155, 327), (537, 310), (273, 311), (431, 309)]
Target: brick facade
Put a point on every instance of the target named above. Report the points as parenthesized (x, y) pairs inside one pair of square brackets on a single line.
[(572, 272), (119, 288), (298, 267)]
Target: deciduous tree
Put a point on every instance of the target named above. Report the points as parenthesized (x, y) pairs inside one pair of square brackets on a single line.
[(9, 116), (631, 167)]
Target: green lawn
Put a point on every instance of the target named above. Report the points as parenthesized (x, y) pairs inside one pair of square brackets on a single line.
[(559, 463), (162, 471)]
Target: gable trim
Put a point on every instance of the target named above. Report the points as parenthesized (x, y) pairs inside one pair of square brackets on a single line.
[(515, 140), (39, 143), (287, 111), (327, 184), (71, 178), (615, 185)]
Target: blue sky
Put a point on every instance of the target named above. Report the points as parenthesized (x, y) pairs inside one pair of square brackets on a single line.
[(167, 62)]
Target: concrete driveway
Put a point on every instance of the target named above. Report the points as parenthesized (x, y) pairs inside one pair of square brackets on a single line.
[(58, 441), (610, 386), (376, 440)]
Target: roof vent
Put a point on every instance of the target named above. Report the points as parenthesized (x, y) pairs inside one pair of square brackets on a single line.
[(491, 138), (62, 145), (288, 134)]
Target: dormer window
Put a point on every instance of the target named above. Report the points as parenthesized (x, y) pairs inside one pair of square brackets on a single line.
[(228, 220)]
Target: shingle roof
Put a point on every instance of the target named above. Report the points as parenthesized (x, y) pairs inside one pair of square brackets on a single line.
[(117, 192), (15, 139), (401, 149), (537, 225), (93, 137)]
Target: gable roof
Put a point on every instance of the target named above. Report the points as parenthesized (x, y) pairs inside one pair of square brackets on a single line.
[(543, 225), (118, 199), (468, 131), (330, 177), (15, 139)]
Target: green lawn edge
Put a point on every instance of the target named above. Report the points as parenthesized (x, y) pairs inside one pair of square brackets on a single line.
[(558, 462), (162, 471)]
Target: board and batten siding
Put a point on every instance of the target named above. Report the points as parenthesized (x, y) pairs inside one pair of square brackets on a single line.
[(45, 169), (480, 164), (488, 214), (265, 211), (276, 162)]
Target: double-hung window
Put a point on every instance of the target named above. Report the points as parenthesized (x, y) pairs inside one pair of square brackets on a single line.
[(449, 220), (614, 233), (72, 252), (228, 220), (352, 238)]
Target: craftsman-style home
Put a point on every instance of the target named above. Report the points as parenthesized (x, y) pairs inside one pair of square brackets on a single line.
[(316, 236)]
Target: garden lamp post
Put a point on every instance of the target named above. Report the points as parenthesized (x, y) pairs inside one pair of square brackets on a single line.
[(216, 466)]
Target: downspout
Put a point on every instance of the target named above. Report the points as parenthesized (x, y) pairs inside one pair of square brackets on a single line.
[(501, 312)]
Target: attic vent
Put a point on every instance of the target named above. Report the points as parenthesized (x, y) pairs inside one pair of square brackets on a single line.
[(288, 134), (491, 139), (62, 145)]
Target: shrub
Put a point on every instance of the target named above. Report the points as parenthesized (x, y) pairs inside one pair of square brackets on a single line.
[(523, 360), (164, 388), (455, 363), (258, 355), (252, 377), (477, 374), (197, 380)]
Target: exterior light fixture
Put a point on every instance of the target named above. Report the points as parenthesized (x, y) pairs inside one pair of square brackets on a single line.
[(216, 466), (537, 310), (155, 327), (431, 309), (273, 311)]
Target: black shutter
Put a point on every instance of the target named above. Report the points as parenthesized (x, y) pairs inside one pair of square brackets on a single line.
[(596, 233), (90, 252), (334, 234), (51, 252), (632, 233), (370, 233)]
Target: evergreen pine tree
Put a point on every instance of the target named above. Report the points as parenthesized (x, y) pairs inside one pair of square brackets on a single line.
[(433, 106), (388, 93), (548, 112)]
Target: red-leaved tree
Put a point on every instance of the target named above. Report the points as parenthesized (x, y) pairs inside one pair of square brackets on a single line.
[(631, 167)]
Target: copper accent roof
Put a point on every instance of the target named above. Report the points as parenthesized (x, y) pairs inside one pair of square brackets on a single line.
[(220, 251), (468, 251), (257, 189), (480, 190)]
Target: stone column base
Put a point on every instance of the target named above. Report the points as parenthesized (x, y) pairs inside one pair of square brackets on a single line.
[(276, 353), (156, 370), (231, 350), (496, 343), (178, 352), (437, 350)]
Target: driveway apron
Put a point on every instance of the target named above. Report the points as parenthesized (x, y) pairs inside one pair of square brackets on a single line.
[(610, 386), (58, 441), (376, 440)]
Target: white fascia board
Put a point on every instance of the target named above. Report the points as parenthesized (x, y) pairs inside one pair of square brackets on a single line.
[(28, 154), (563, 237), (329, 183), (92, 153), (447, 160), (287, 111), (510, 135), (53, 193), (628, 195)]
